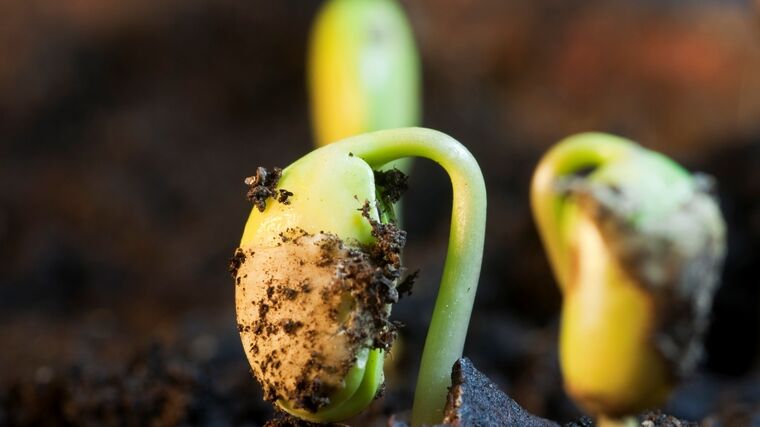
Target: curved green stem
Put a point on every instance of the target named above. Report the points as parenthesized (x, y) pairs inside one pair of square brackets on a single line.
[(569, 156), (453, 306)]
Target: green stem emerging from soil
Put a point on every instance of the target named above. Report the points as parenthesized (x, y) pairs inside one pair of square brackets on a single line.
[(453, 306)]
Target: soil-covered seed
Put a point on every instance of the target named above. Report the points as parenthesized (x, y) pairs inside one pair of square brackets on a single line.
[(262, 186), (311, 305)]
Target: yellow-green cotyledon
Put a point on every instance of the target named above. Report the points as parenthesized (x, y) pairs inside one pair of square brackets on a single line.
[(636, 243), (363, 69), (317, 270)]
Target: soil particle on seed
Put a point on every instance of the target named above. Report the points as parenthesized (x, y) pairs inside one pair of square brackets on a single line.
[(284, 196), (311, 306), (237, 259), (291, 326), (389, 241), (393, 184), (262, 186)]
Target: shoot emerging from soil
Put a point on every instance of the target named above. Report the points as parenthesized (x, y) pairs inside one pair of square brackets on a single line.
[(319, 266)]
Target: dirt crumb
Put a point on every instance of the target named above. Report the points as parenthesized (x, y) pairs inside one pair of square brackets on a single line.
[(389, 240), (291, 326), (405, 286), (262, 186), (236, 261), (393, 183), (284, 196)]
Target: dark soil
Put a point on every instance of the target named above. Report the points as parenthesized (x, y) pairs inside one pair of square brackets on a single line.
[(155, 384), (474, 400), (263, 186), (393, 184)]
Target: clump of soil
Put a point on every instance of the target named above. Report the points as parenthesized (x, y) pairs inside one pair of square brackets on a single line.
[(658, 419), (236, 261), (311, 306), (389, 241), (393, 184), (263, 186), (474, 400)]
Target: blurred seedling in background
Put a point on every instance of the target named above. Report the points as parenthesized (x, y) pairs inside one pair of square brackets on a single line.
[(363, 70), (636, 244)]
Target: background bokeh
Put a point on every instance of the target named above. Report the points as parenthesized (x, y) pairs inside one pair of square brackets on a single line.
[(126, 129)]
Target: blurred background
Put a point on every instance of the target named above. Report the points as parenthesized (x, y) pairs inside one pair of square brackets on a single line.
[(126, 129)]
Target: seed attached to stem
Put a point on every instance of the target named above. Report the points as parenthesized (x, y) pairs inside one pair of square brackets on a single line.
[(315, 277)]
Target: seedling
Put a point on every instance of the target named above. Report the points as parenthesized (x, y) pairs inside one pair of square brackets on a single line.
[(317, 269), (636, 244), (363, 69)]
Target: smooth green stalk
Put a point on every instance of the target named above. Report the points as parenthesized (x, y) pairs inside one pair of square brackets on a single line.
[(453, 306)]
